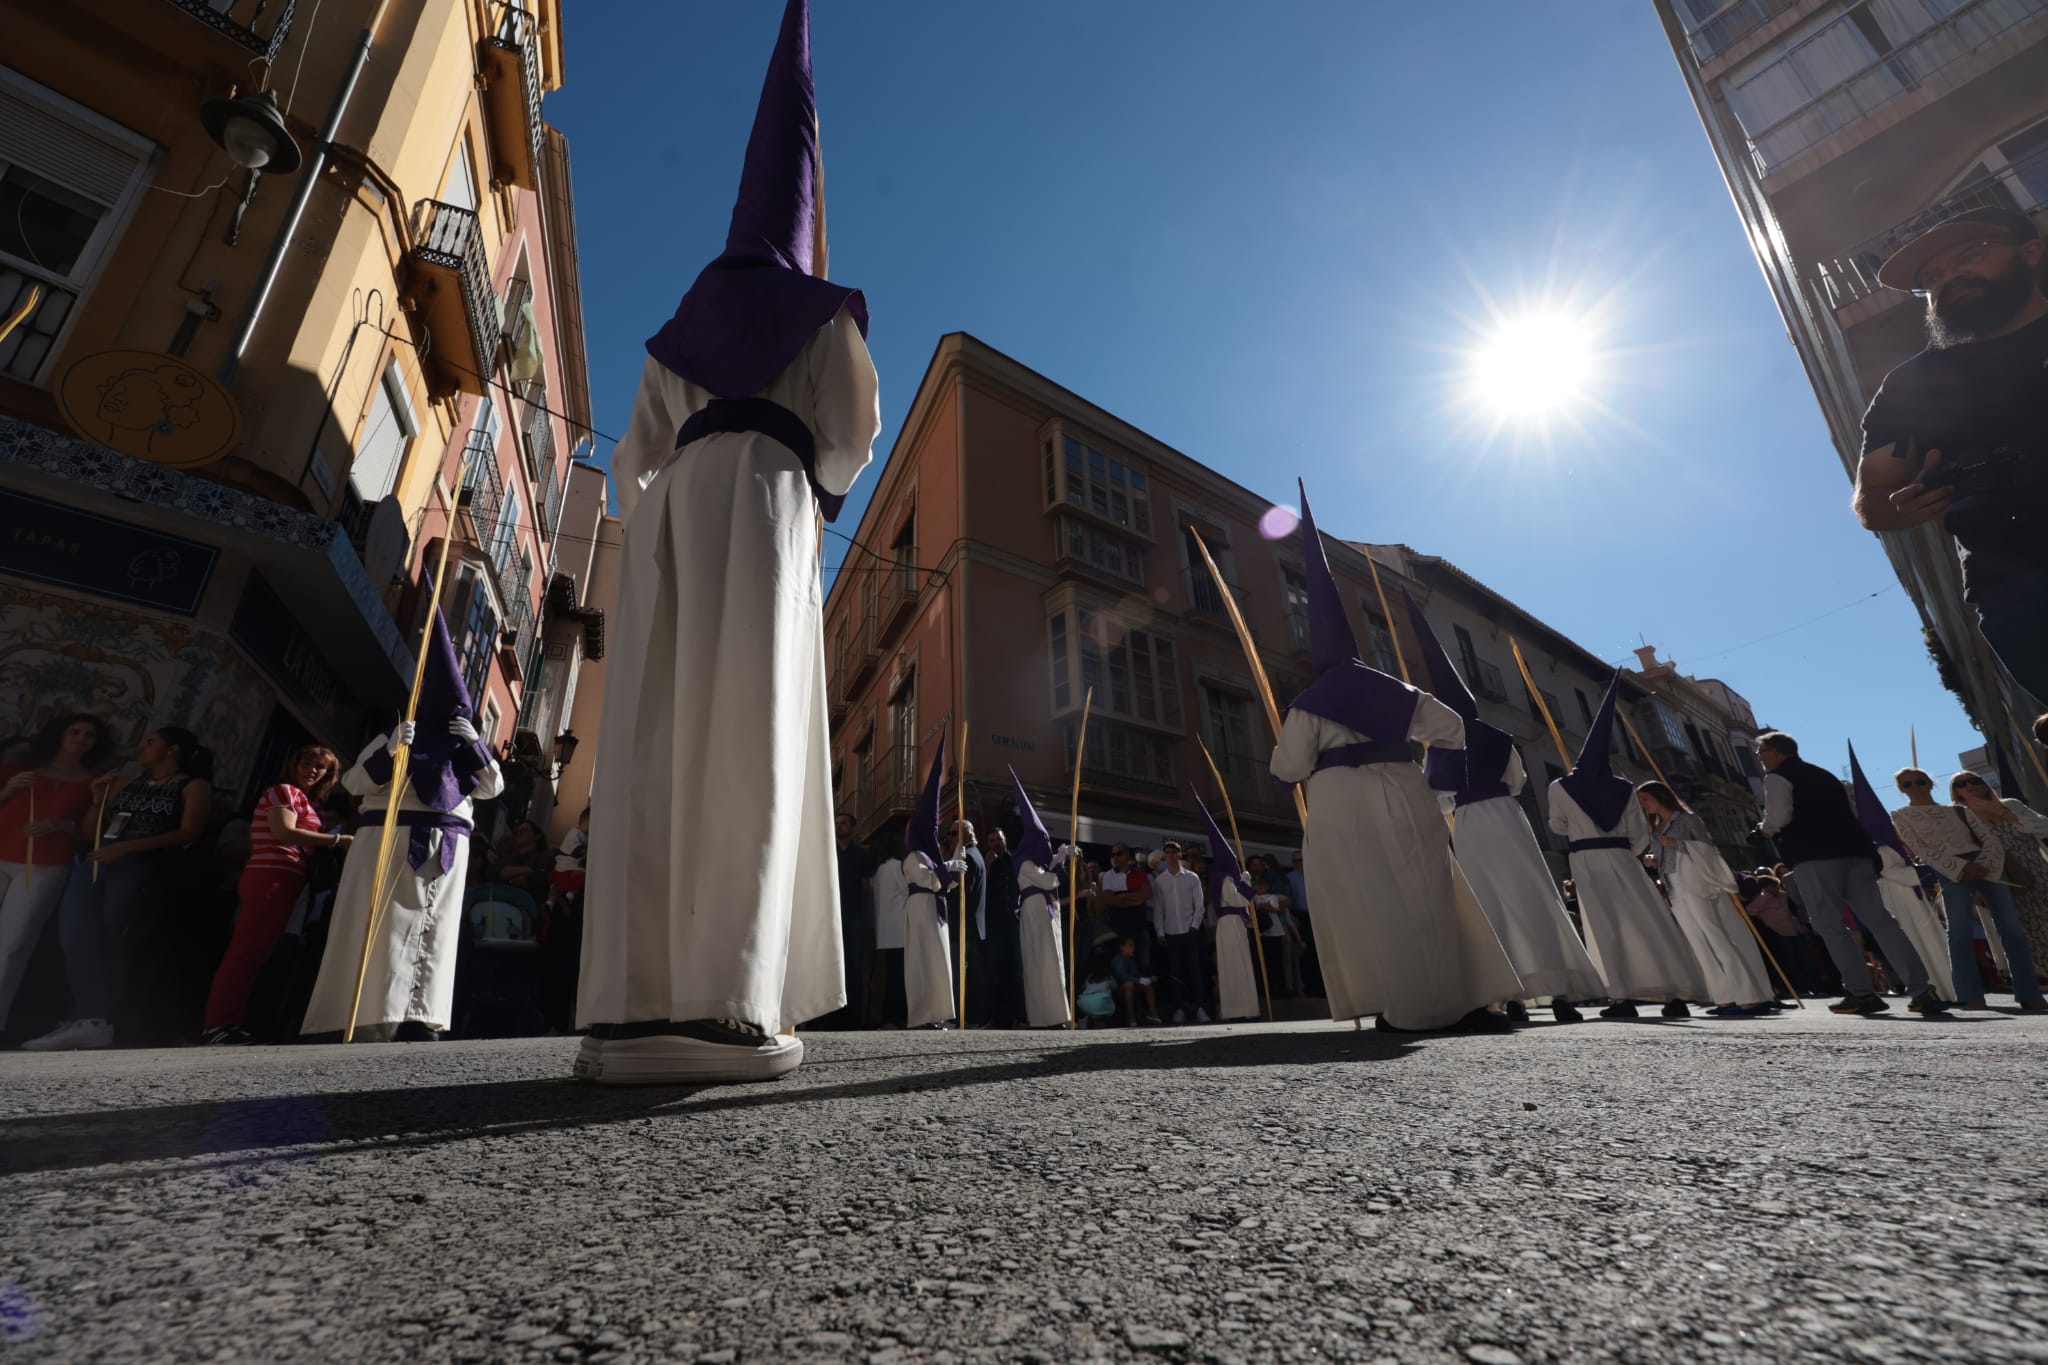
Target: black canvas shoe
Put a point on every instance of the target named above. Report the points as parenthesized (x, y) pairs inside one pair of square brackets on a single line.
[(1928, 1005), (1517, 1011), (1486, 1021), (1565, 1014), (693, 1052), (413, 1031), (1676, 1009), (1860, 1004), (1622, 1010)]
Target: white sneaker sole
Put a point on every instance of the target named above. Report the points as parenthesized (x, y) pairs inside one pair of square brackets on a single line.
[(668, 1060)]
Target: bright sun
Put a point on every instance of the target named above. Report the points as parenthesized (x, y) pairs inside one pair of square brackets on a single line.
[(1533, 366)]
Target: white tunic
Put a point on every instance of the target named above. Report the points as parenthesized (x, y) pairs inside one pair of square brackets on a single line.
[(412, 962), (1038, 930), (1701, 890), (1398, 931), (713, 889), (890, 890), (1237, 982), (1630, 933), (1504, 863), (927, 948), (1899, 885)]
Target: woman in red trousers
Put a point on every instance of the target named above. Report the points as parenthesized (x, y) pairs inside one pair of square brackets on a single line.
[(285, 825)]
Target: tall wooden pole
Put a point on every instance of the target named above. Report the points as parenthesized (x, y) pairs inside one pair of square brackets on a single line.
[(20, 315), (401, 763), (28, 873), (1913, 743), (1386, 613), (1733, 899), (1536, 695), (1251, 656), (961, 848), (1074, 862), (1258, 943)]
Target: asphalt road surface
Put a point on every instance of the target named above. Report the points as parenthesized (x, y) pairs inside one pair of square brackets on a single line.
[(1806, 1188)]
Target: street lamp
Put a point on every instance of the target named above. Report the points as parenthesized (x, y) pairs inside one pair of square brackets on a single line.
[(565, 749), (251, 130)]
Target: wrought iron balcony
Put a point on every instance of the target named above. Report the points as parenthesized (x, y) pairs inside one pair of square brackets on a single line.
[(1486, 680), (483, 491), (447, 290), (1733, 24), (537, 432), (1896, 73), (1852, 278), (551, 504), (510, 62), (243, 21)]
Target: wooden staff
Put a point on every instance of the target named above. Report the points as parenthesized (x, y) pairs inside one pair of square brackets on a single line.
[(1074, 863), (99, 827), (1537, 696), (1913, 743), (1251, 655), (1733, 899), (961, 852), (1400, 656), (1229, 810), (401, 761)]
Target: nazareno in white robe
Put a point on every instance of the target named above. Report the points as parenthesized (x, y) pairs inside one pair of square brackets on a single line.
[(1398, 931), (1237, 981), (1638, 947), (927, 948), (1504, 864), (713, 886), (412, 962), (1899, 886), (1702, 888), (1038, 930)]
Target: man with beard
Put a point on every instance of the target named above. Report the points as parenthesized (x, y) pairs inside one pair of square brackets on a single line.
[(1959, 433)]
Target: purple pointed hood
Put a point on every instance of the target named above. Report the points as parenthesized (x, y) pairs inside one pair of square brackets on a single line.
[(1345, 689), (443, 769), (1592, 782), (1033, 843), (1478, 771), (923, 834), (1871, 812), (1223, 864), (752, 310)]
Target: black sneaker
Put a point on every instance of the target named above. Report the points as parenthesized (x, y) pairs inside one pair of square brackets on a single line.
[(1860, 1004), (413, 1031), (1623, 1010), (1486, 1021), (1565, 1014), (1676, 1009), (1517, 1011), (2034, 1007), (226, 1035), (1928, 1005)]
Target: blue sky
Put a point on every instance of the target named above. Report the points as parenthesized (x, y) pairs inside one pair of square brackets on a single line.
[(1272, 236)]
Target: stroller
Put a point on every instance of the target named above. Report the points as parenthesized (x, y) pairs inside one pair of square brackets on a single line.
[(497, 978)]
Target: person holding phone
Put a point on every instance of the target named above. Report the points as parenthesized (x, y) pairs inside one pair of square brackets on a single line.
[(141, 819)]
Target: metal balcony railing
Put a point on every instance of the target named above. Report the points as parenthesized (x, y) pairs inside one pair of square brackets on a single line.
[(1905, 68), (551, 504), (1733, 24), (1486, 680), (483, 490), (1850, 278), (516, 45), (537, 434), (242, 20), (448, 246)]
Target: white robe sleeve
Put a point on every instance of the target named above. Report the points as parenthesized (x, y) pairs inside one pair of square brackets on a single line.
[(649, 440), (356, 781), (1560, 816), (1032, 877), (1294, 757), (849, 404), (1635, 827), (1436, 725), (918, 876), (1516, 776), (489, 783)]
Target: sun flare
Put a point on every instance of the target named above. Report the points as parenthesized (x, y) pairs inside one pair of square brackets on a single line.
[(1533, 366)]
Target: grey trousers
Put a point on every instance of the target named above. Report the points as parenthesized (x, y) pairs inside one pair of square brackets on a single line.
[(1825, 883)]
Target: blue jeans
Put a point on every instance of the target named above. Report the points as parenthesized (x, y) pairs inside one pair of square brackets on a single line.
[(2014, 618), (1962, 924), (95, 922)]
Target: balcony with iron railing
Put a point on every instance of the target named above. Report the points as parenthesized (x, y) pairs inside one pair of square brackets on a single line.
[(509, 62), (447, 290), (898, 594), (1912, 65), (520, 624), (537, 433), (244, 22), (551, 501), (483, 489), (1850, 279), (1736, 21), (1486, 681)]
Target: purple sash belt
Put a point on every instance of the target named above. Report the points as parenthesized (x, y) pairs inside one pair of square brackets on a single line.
[(1052, 905), (1364, 755), (421, 823)]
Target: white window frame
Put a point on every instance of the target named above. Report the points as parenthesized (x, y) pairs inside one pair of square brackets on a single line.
[(396, 394), (84, 276)]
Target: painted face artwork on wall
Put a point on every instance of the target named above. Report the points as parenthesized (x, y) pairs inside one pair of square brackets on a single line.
[(139, 406)]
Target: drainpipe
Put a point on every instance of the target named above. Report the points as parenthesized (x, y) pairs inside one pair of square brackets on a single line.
[(307, 180)]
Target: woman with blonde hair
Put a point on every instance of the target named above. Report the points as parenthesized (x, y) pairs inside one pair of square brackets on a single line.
[(1702, 888), (285, 826), (2018, 829)]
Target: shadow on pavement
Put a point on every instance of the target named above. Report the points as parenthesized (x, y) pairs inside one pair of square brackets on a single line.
[(419, 1116)]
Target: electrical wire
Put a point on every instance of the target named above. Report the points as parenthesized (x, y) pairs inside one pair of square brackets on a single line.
[(1778, 634)]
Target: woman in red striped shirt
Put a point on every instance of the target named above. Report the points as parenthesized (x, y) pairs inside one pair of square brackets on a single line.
[(285, 825)]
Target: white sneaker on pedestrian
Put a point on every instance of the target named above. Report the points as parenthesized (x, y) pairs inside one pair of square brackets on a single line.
[(73, 1035), (1201, 1015), (699, 1052), (1180, 1016)]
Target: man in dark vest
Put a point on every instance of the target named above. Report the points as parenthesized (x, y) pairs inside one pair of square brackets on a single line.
[(1809, 815)]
